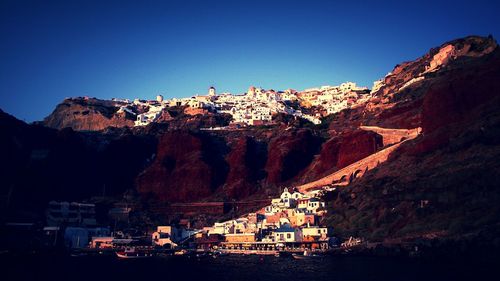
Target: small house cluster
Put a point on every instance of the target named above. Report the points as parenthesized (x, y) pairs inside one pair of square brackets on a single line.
[(292, 221), (334, 98)]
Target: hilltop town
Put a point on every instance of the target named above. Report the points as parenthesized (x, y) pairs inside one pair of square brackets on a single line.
[(255, 107)]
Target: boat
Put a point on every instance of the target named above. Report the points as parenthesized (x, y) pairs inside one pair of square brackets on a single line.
[(133, 253), (181, 252), (305, 255)]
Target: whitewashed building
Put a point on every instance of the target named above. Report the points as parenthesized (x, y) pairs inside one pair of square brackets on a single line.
[(286, 233)]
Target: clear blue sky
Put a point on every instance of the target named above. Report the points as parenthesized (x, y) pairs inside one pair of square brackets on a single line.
[(50, 50)]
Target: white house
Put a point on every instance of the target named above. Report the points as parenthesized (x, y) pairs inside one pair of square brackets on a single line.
[(288, 95), (314, 204), (287, 199), (277, 205), (286, 233), (164, 236), (297, 195), (218, 228), (196, 103), (314, 231), (222, 227)]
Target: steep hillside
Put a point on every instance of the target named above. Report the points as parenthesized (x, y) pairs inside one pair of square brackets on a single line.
[(443, 183), (399, 100), (450, 191)]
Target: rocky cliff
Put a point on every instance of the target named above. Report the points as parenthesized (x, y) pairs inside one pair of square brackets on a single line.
[(188, 167), (88, 114), (443, 183)]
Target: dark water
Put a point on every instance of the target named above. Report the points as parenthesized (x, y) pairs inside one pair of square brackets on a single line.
[(241, 268)]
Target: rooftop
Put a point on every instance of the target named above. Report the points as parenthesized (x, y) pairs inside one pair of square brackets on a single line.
[(285, 228)]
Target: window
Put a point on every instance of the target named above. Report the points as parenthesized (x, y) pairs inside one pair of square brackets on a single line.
[(288, 235), (319, 231)]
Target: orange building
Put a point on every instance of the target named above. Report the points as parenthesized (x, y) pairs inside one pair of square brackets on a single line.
[(302, 219), (240, 237)]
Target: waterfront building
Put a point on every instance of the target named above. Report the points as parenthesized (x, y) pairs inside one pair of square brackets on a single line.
[(171, 236), (222, 228), (102, 242), (79, 237), (286, 233), (314, 231), (164, 235), (73, 214), (240, 237), (204, 241)]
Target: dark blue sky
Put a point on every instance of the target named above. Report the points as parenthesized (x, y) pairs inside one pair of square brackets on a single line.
[(50, 50)]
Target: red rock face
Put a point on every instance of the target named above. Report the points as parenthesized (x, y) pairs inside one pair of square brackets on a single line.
[(400, 102), (246, 167), (165, 116), (341, 151), (357, 145), (325, 162), (185, 169), (455, 98), (289, 154), (189, 167), (403, 116)]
